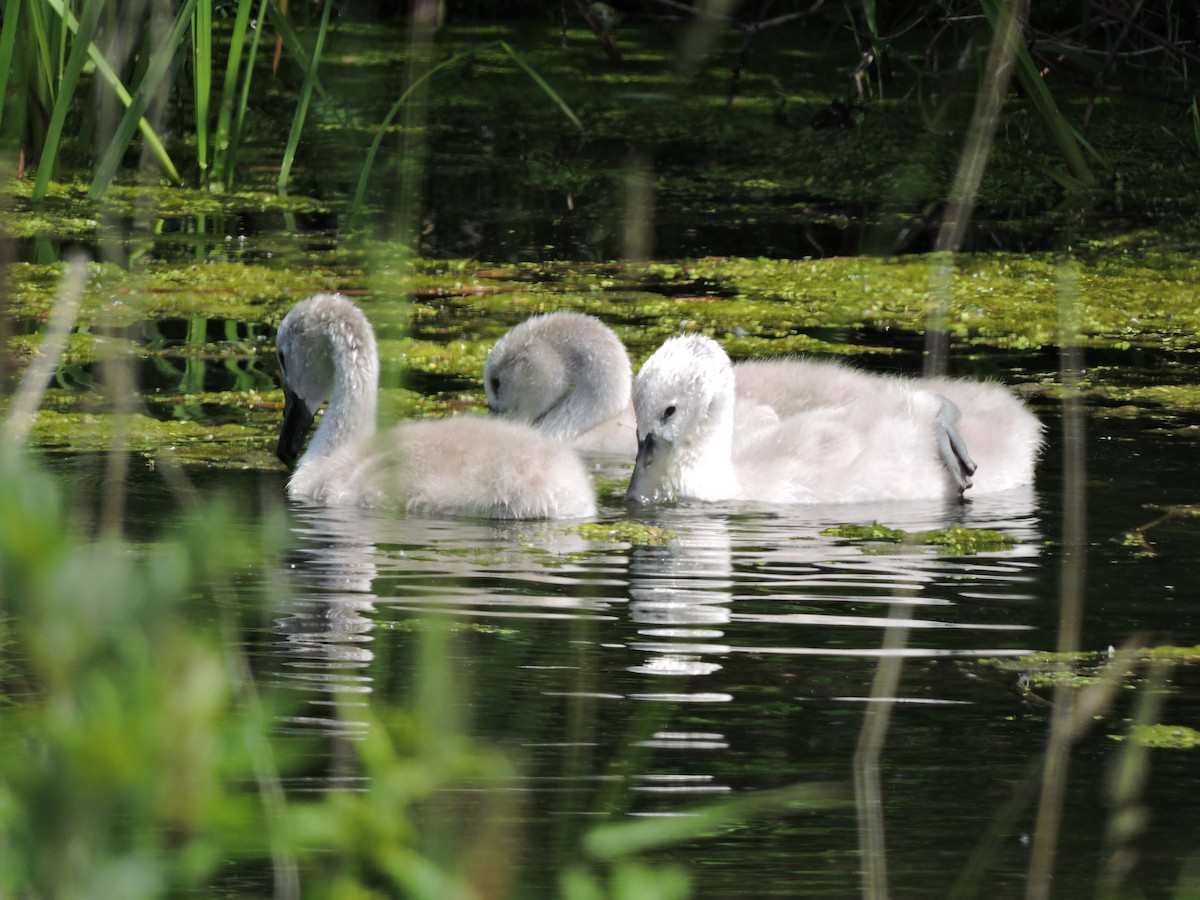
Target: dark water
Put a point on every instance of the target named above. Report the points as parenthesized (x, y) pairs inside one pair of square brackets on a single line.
[(636, 682)]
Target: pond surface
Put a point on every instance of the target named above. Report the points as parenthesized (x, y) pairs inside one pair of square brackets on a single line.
[(739, 657), (633, 682), (649, 681)]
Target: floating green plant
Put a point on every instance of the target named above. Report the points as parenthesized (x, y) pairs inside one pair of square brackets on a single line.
[(1047, 669), (872, 532), (756, 307), (626, 532), (956, 540), (1171, 653), (1162, 737)]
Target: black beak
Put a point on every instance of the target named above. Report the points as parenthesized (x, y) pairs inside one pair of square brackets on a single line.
[(297, 421), (643, 484)]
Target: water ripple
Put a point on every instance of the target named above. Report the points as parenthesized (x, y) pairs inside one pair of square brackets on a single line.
[(672, 650)]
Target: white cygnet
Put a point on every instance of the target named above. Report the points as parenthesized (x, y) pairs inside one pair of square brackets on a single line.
[(1002, 436), (863, 438), (568, 375), (463, 465)]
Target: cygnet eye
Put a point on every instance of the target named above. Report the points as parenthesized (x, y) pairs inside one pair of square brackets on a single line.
[(668, 412), (282, 366), (495, 384)]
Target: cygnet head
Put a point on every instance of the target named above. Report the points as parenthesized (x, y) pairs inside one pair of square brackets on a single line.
[(683, 397), (563, 373), (326, 349)]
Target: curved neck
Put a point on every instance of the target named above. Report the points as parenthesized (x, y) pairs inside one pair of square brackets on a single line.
[(353, 397)]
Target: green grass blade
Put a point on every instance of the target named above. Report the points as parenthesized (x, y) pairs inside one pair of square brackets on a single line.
[(235, 138), (1099, 158), (47, 70), (76, 60), (1043, 102), (456, 60), (381, 131), (295, 46), (113, 80), (8, 43), (639, 836), (541, 82), (237, 40), (161, 61), (202, 28), (310, 78)]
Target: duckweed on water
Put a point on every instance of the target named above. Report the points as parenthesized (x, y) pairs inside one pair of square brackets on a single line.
[(1162, 737), (1171, 653), (956, 541), (1046, 670), (230, 445), (1000, 300), (134, 200), (456, 357), (215, 290), (613, 488), (872, 532), (1131, 296), (1035, 672), (625, 532)]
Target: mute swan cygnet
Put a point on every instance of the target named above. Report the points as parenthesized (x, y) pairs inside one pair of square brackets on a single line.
[(463, 465), (895, 441), (568, 375)]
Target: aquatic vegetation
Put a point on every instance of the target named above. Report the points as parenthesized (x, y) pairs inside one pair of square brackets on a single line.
[(625, 531), (222, 290), (1162, 737), (455, 357), (1137, 539), (67, 211), (955, 540), (436, 347), (1167, 653), (872, 532), (968, 540), (1046, 669), (229, 445)]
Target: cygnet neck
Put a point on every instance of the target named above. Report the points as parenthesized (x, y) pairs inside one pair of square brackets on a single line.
[(350, 414)]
